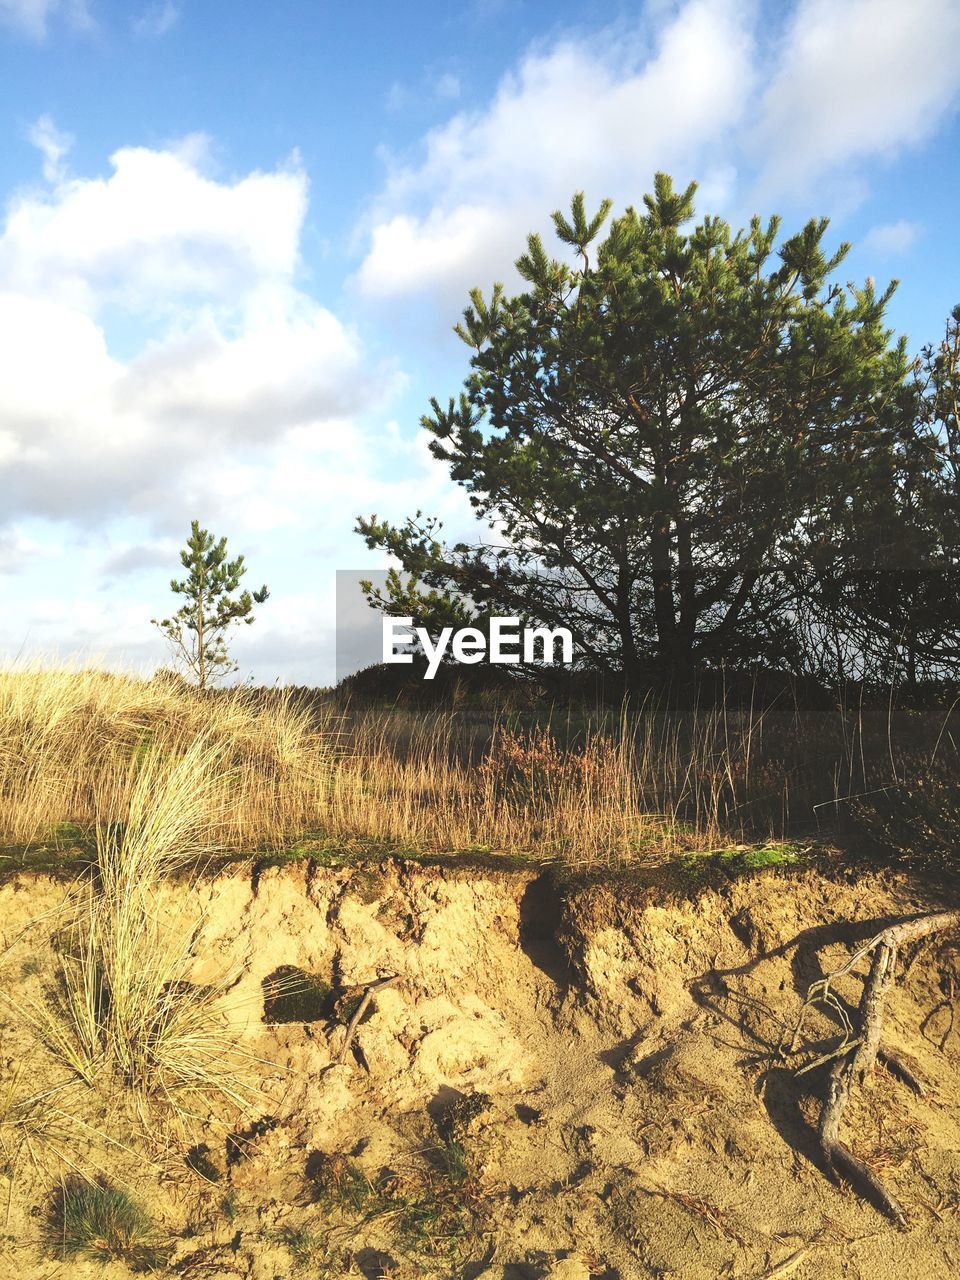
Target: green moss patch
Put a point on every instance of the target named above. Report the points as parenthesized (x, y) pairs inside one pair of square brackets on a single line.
[(744, 859)]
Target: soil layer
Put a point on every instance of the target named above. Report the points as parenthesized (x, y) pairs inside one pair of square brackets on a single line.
[(566, 1081)]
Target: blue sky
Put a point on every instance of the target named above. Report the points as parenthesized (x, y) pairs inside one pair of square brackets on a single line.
[(233, 240)]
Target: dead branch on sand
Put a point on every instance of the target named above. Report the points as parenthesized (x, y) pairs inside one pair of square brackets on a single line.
[(371, 990), (855, 1056)]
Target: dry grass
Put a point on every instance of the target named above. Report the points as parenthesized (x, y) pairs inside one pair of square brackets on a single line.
[(645, 783), (519, 792), (588, 786), (125, 1010), (607, 788), (72, 743), (77, 748)]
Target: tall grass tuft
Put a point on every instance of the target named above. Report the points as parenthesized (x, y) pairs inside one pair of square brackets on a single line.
[(127, 1009), (100, 1222)]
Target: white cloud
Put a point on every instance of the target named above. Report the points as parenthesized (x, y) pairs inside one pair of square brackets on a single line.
[(86, 436), (703, 96), (242, 406), (892, 237), (32, 18), (856, 78), (237, 356), (156, 20), (601, 115), (52, 145), (243, 403), (155, 231), (409, 252)]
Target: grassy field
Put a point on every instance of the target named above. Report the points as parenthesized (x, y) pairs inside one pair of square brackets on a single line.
[(594, 786)]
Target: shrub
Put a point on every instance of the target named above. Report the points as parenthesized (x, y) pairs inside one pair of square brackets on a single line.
[(916, 817)]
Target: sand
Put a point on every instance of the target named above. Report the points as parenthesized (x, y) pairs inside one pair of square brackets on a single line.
[(631, 1116)]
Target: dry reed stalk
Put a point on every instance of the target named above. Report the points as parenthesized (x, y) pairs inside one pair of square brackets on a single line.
[(590, 786)]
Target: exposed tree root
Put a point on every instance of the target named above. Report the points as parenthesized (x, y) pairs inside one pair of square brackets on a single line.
[(855, 1056), (371, 990)]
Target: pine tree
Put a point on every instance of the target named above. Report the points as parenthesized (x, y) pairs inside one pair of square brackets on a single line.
[(197, 632), (666, 429)]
